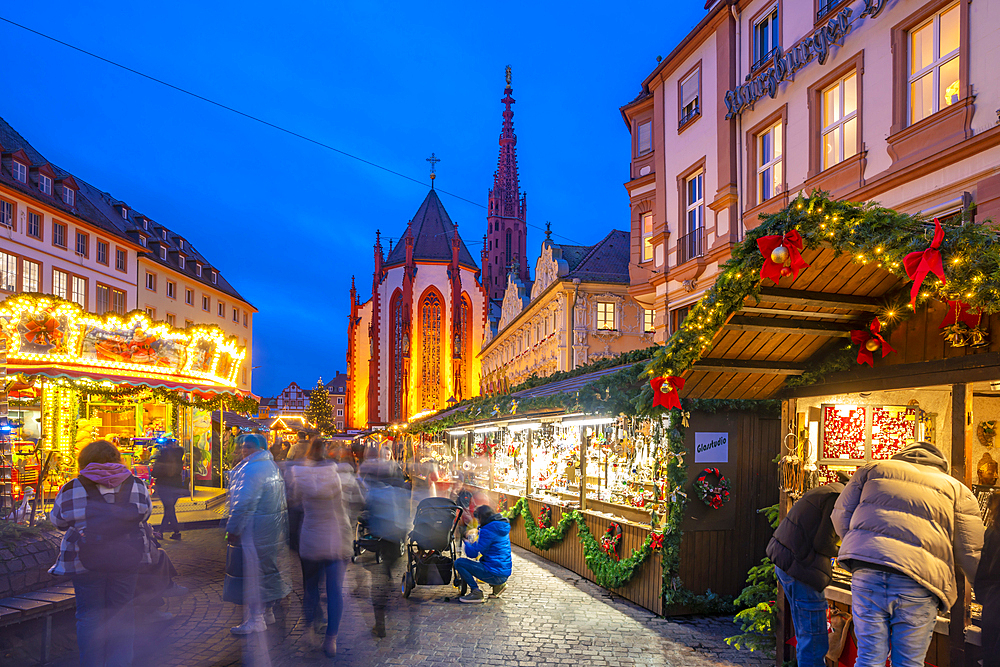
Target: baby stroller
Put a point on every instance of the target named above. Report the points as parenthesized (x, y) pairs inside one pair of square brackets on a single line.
[(364, 540), (432, 546)]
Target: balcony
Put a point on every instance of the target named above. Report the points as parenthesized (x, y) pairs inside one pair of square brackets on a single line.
[(690, 245)]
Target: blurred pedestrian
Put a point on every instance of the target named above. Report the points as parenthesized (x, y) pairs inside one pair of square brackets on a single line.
[(168, 470), (256, 531), (326, 541), (102, 511), (903, 525), (988, 584)]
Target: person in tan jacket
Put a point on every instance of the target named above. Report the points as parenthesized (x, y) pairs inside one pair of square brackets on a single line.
[(903, 524)]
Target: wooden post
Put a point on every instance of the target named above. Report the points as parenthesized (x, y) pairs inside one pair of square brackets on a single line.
[(785, 629), (527, 468), (962, 435), (583, 467), (489, 455)]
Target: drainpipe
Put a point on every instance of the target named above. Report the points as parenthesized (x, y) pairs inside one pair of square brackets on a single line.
[(739, 129)]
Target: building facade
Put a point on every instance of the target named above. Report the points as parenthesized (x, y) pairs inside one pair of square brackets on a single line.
[(577, 310), (867, 100)]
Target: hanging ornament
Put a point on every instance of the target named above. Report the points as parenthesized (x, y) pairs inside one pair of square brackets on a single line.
[(919, 264), (869, 341), (961, 326), (656, 541), (665, 391), (782, 255)]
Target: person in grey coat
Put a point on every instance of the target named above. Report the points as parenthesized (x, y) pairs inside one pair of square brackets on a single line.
[(904, 523), (256, 531)]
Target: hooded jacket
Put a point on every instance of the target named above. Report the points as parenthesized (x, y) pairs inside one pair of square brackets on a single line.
[(494, 546), (326, 497), (804, 541), (910, 515)]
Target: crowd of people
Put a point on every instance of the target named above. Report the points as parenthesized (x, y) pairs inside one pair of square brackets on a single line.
[(306, 496)]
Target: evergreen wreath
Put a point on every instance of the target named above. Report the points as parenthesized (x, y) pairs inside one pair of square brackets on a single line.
[(545, 517), (713, 495), (612, 538)]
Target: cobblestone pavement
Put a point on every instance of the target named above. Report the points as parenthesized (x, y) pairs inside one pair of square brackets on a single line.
[(547, 616)]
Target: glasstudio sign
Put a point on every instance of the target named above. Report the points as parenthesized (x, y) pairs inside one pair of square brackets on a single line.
[(786, 64)]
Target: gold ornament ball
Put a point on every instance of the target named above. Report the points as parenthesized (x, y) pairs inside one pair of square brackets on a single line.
[(779, 255), (872, 344)]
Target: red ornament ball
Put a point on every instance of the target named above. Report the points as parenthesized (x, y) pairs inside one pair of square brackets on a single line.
[(786, 271)]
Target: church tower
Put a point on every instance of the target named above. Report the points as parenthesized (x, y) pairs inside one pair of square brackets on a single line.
[(506, 233)]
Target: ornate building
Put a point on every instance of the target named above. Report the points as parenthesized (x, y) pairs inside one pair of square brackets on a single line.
[(411, 346)]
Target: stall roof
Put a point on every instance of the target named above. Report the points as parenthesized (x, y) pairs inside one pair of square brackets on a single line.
[(565, 386)]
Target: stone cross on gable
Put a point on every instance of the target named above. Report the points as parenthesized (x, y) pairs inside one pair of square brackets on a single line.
[(433, 160)]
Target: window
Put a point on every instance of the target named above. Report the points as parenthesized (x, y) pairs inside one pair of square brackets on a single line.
[(68, 196), (18, 171), (35, 225), (197, 269), (245, 319), (82, 244), (181, 261), (765, 37), (163, 252), (118, 301), (244, 375), (677, 318), (769, 148), (180, 243), (151, 281), (30, 272), (934, 64), (60, 283), (120, 259), (340, 413), (8, 272), (215, 277), (206, 303), (170, 319), (189, 297), (840, 120), (188, 324), (142, 241), (645, 141), (236, 316), (102, 252), (103, 299), (648, 319), (151, 312), (59, 234), (45, 184), (79, 291), (221, 309), (689, 245), (171, 290), (690, 94), (163, 234), (7, 213), (431, 378), (647, 236), (605, 316), (340, 400)]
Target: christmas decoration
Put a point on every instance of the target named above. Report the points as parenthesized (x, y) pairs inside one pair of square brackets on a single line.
[(870, 341), (961, 326), (986, 431), (893, 428), (665, 391), (611, 539), (843, 432), (502, 503), (319, 412), (713, 495), (782, 255), (545, 517), (918, 264), (656, 541)]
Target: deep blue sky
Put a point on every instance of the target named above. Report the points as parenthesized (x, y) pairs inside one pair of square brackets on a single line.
[(288, 222)]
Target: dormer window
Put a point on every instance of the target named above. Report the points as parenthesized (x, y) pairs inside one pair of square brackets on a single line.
[(142, 241), (68, 196), (45, 184), (197, 270), (125, 215), (180, 243), (215, 277), (19, 171), (163, 233), (163, 252), (181, 260)]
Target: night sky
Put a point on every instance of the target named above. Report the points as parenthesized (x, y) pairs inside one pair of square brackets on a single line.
[(286, 221)]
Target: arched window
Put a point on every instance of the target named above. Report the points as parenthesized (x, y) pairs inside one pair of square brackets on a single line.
[(430, 362), (398, 381), (508, 249), (463, 334)]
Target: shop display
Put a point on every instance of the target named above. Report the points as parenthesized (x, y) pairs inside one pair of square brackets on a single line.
[(893, 428)]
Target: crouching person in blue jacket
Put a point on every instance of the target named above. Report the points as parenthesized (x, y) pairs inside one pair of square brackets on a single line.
[(493, 549)]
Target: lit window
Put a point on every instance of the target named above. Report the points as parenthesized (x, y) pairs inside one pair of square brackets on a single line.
[(840, 120), (934, 64), (690, 93), (45, 184), (189, 297), (60, 283), (605, 316), (151, 281), (647, 236), (82, 244), (6, 213), (645, 138), (171, 290), (677, 317), (648, 319), (765, 37), (170, 319), (151, 312), (34, 225), (30, 273), (769, 177), (19, 171), (59, 234), (8, 272), (103, 299), (118, 301), (79, 293), (120, 259), (102, 252), (68, 195)]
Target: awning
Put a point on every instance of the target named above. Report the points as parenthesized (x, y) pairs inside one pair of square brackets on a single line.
[(151, 380), (566, 386), (238, 420)]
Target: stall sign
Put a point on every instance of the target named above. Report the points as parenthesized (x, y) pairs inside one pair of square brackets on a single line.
[(711, 447), (201, 445)]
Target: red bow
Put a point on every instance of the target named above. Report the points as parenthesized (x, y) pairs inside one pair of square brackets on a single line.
[(861, 338), (667, 396), (958, 311), (655, 541), (919, 264), (793, 242)]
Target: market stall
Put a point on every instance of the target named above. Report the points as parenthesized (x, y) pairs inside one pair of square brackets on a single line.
[(73, 377)]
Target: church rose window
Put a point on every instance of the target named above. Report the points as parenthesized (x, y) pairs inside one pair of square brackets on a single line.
[(430, 374), (397, 359)]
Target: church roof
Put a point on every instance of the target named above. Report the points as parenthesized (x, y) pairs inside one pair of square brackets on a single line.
[(605, 261), (432, 230)]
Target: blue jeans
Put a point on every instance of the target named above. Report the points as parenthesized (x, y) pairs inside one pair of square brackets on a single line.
[(105, 618), (334, 570), (470, 570), (891, 613), (808, 607)]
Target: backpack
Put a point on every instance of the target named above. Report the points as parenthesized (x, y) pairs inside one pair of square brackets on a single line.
[(112, 539)]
